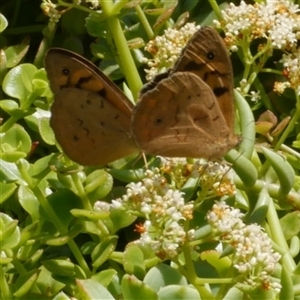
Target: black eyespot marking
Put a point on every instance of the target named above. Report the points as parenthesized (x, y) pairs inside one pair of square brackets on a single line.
[(192, 66), (65, 71), (210, 55), (75, 138), (189, 97), (102, 93), (158, 121), (88, 102), (82, 81), (219, 91)]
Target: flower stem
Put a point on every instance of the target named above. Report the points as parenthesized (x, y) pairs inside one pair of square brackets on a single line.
[(63, 230), (216, 8), (278, 237), (126, 61), (291, 125), (144, 22)]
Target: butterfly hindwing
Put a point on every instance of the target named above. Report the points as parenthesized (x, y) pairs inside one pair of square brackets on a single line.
[(180, 117), (188, 111)]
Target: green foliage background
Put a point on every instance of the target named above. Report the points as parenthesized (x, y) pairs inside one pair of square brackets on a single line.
[(53, 244)]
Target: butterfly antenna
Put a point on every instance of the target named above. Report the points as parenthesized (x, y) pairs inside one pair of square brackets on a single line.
[(201, 170), (145, 160)]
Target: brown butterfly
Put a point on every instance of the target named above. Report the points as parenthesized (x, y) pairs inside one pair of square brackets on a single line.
[(187, 112)]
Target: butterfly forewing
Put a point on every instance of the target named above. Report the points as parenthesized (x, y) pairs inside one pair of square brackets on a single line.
[(91, 117), (206, 56), (68, 69)]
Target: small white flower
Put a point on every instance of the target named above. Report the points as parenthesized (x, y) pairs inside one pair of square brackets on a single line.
[(166, 49), (101, 206), (255, 96), (243, 83), (116, 204), (291, 64), (191, 234)]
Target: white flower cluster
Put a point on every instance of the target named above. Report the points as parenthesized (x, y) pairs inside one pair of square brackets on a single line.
[(214, 177), (177, 168), (276, 20), (254, 257), (167, 48), (277, 23), (50, 10), (164, 210), (224, 218), (291, 64)]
